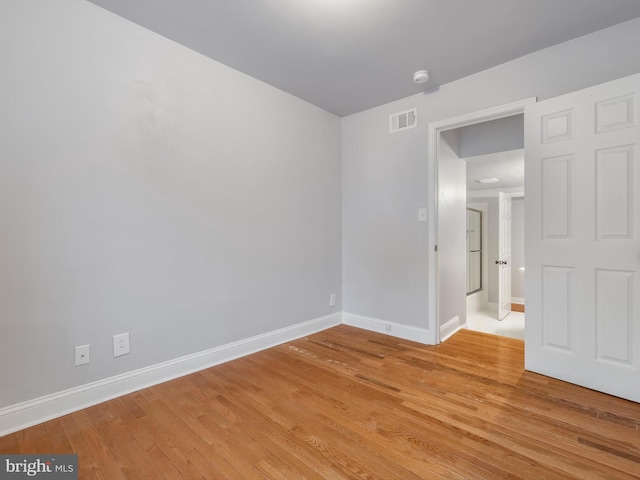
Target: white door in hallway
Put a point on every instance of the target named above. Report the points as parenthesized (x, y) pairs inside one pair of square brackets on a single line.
[(504, 255), (582, 184)]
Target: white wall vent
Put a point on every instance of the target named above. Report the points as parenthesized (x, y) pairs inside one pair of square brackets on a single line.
[(403, 120)]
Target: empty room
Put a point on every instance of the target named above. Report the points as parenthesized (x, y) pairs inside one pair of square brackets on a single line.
[(234, 239)]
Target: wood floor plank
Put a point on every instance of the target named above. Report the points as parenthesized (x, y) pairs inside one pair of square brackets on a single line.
[(352, 404)]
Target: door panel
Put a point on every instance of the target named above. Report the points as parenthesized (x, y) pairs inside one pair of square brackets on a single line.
[(582, 178), (557, 311), (556, 196), (614, 192), (614, 316)]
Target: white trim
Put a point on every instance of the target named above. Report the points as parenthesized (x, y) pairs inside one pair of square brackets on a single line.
[(393, 329), (435, 128), (517, 300), (33, 412), (449, 328)]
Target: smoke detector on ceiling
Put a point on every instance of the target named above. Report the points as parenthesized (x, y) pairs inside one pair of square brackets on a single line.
[(421, 76)]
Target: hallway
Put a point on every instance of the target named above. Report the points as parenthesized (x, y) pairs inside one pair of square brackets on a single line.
[(511, 326)]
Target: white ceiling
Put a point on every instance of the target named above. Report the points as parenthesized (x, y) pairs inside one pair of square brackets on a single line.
[(350, 55), (507, 167)]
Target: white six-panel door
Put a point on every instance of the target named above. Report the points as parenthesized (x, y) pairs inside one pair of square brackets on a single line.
[(504, 255), (582, 224)]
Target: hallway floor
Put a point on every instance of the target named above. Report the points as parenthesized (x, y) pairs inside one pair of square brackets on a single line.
[(511, 326)]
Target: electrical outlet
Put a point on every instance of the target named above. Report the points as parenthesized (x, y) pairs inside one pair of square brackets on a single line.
[(120, 344), (332, 300), (82, 355)]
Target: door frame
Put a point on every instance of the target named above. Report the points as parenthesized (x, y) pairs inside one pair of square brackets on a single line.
[(435, 129)]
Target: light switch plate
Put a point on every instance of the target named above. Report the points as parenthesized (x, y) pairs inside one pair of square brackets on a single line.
[(332, 300)]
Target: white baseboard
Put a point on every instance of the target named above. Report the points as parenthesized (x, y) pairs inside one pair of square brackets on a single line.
[(517, 300), (449, 328), (407, 332), (39, 410)]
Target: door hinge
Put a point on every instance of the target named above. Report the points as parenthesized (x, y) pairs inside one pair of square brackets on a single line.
[(436, 248)]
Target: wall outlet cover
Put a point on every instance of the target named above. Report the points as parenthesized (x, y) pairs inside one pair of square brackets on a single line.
[(82, 355), (121, 344)]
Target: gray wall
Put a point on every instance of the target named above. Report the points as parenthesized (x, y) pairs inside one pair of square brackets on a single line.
[(385, 175), (499, 135), (148, 189)]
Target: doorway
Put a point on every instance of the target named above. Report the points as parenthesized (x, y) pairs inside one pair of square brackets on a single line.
[(448, 311), (495, 188)]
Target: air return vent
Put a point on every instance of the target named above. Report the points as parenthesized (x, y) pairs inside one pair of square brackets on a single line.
[(403, 120)]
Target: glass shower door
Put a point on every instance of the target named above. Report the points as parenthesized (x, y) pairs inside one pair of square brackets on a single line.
[(474, 250)]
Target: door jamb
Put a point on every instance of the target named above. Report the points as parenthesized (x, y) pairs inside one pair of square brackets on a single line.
[(435, 129)]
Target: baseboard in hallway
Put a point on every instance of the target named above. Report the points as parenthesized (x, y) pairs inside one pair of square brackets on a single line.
[(517, 307)]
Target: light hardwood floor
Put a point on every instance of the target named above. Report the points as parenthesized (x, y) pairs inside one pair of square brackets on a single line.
[(347, 403)]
